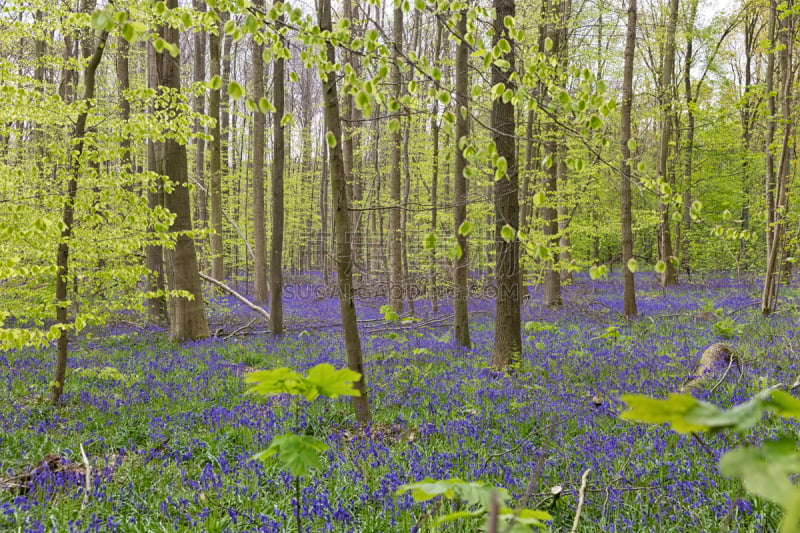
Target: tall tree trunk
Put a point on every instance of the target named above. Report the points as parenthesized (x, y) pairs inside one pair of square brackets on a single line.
[(276, 237), (395, 168), (769, 294), (682, 232), (344, 258), (188, 321), (67, 218), (435, 180), (323, 212), (664, 172), (629, 287), (461, 271), (525, 208), (199, 74), (260, 289), (507, 336), (154, 254), (552, 275), (769, 138), (215, 170)]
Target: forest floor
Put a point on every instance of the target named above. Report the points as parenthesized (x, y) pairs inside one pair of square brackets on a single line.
[(169, 432)]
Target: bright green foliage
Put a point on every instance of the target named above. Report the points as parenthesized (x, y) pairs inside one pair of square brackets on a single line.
[(478, 498), (298, 453), (765, 471), (322, 380), (389, 314)]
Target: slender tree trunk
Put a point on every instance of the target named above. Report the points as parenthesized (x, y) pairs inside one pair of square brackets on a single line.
[(769, 83), (276, 237), (189, 315), (435, 181), (507, 337), (216, 155), (525, 208), (664, 173), (552, 274), (629, 287), (682, 233), (323, 212), (260, 289), (395, 168), (199, 74), (769, 295), (67, 218), (461, 272), (344, 258)]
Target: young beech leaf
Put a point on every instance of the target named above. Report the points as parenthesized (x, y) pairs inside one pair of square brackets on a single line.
[(678, 410), (325, 380), (661, 267), (465, 228), (430, 241), (765, 471), (633, 265), (278, 381), (507, 233), (330, 139), (299, 453), (235, 90), (784, 404)]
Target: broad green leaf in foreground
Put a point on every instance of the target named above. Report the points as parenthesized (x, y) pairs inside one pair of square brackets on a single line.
[(766, 472), (325, 380)]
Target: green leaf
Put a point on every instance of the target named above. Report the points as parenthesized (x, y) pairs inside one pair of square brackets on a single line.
[(632, 145), (548, 44), (430, 241), (420, 5), (507, 233), (330, 139), (539, 199), (765, 471), (597, 272), (681, 411), (215, 83), (783, 404), (128, 32), (394, 125), (325, 380), (660, 267), (443, 97), (235, 90), (299, 453), (465, 228), (264, 105), (633, 265), (278, 381)]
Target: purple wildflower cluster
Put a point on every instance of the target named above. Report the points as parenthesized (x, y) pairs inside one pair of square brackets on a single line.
[(171, 446)]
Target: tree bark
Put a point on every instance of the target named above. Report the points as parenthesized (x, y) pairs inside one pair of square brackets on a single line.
[(260, 289), (188, 321), (664, 174), (507, 337), (67, 218), (629, 287), (461, 271), (395, 168), (215, 190), (276, 237), (199, 74), (344, 258)]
